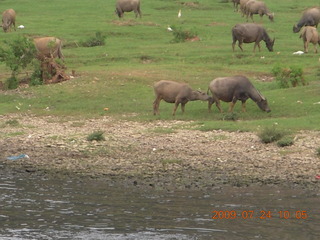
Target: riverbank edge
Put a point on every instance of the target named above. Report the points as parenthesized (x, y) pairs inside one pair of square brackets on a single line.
[(135, 155)]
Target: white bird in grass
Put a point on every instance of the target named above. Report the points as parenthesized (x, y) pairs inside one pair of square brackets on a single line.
[(298, 53), (21, 27), (169, 29), (179, 13)]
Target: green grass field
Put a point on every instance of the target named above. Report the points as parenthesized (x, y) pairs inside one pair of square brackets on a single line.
[(139, 52)]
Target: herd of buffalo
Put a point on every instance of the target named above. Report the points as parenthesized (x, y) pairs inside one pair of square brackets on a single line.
[(227, 89), (232, 89)]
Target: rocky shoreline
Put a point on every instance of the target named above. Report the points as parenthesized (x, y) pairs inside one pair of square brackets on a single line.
[(157, 154)]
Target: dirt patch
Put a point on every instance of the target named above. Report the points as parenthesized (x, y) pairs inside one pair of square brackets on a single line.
[(159, 154), (191, 4), (217, 24), (132, 22)]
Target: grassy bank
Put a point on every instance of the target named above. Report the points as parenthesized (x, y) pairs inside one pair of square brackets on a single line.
[(119, 76)]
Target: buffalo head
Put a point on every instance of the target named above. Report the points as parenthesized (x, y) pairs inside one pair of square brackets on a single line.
[(295, 28), (263, 105), (269, 45)]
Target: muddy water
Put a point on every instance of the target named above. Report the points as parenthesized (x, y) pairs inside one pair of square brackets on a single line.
[(42, 208)]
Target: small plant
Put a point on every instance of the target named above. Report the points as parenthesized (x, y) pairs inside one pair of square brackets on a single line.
[(271, 134), (12, 83), (17, 55), (12, 123), (285, 141), (96, 136), (98, 40), (287, 77), (182, 35), (230, 117), (318, 151), (36, 77)]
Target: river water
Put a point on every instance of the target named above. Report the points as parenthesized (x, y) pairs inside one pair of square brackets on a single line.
[(36, 207)]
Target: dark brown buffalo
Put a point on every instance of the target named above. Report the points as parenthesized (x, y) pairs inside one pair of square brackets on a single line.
[(310, 17), (232, 89), (249, 33), (128, 6)]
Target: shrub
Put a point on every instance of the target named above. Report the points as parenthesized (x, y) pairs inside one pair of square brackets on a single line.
[(285, 141), (286, 77), (96, 136), (271, 134), (182, 35), (12, 83), (36, 76), (318, 151), (12, 123), (98, 40), (230, 117)]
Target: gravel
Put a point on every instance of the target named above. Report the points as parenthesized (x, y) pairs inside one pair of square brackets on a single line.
[(158, 154)]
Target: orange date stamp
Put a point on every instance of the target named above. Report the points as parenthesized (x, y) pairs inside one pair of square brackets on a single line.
[(251, 214)]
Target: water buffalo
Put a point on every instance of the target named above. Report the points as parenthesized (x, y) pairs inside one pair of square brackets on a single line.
[(310, 34), (310, 17), (236, 5), (49, 47), (243, 7), (174, 92), (8, 19), (231, 89), (257, 7), (128, 6), (251, 32)]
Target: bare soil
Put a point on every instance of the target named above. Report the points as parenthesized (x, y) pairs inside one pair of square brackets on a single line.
[(157, 154)]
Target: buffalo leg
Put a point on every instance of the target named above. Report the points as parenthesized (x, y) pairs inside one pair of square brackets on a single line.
[(251, 16), (231, 107), (182, 107), (234, 101), (156, 105), (306, 46), (240, 46), (210, 102), (218, 106), (176, 104), (244, 106), (233, 44)]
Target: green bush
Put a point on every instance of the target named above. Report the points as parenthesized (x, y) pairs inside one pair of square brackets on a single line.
[(17, 55), (12, 83), (288, 77), (285, 141), (98, 40), (96, 136), (182, 35), (271, 134), (36, 76), (230, 117)]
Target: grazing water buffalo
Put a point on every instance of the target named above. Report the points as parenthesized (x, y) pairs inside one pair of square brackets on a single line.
[(310, 17), (173, 92), (257, 7), (49, 47), (310, 34), (236, 5), (251, 32), (232, 89), (243, 7), (128, 6), (8, 19)]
